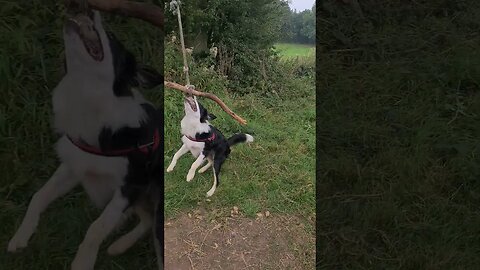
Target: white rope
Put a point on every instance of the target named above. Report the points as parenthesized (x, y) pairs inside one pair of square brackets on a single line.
[(175, 8)]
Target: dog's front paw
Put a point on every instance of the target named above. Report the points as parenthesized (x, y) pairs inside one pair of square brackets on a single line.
[(17, 242), (170, 168), (190, 176)]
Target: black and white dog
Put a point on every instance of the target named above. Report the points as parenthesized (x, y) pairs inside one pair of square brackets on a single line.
[(204, 142), (110, 141)]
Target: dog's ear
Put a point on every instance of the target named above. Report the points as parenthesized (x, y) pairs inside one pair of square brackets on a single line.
[(211, 117), (147, 77)]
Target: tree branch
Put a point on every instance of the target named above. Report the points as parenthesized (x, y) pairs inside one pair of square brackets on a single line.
[(207, 95), (144, 11)]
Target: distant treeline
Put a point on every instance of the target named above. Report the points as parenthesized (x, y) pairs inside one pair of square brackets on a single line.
[(244, 33), (299, 27)]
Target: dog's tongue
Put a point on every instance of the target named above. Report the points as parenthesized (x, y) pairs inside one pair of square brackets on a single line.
[(191, 102)]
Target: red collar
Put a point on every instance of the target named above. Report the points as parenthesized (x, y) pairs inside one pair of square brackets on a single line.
[(145, 148), (209, 139)]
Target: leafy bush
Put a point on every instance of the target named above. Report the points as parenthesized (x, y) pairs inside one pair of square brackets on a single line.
[(276, 77), (243, 31)]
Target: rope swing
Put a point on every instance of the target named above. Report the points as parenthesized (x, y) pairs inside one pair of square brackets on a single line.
[(154, 15), (189, 89)]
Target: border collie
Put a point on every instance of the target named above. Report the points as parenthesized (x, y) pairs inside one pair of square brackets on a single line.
[(204, 142), (110, 141)]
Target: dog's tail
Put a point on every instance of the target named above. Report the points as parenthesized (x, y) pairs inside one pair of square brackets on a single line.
[(240, 138)]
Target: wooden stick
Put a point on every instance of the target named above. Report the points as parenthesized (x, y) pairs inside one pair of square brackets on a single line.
[(145, 11), (154, 15), (207, 95)]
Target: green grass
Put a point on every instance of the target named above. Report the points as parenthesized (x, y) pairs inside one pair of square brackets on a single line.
[(275, 172), (399, 144), (292, 50), (31, 65)]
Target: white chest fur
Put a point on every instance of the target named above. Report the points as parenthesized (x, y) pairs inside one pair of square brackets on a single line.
[(194, 147), (190, 127), (82, 111)]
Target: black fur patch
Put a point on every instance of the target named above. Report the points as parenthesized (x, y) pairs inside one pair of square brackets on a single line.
[(124, 66), (204, 115), (127, 72), (147, 77)]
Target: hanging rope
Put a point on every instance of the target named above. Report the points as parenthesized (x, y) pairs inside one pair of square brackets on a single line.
[(189, 89), (175, 8)]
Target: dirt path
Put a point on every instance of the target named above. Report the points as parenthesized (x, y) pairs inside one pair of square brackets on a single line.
[(194, 241)]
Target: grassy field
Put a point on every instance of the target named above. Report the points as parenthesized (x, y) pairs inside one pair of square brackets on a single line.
[(292, 50), (399, 147), (275, 172), (31, 64)]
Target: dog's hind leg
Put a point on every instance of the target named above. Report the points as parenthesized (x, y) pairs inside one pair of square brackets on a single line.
[(61, 182), (194, 167), (127, 240), (217, 165), (205, 168), (182, 151), (98, 231)]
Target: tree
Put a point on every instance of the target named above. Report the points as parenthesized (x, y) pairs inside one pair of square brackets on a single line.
[(299, 27), (243, 30)]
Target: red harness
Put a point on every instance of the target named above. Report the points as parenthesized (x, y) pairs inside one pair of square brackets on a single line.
[(145, 148), (209, 139)]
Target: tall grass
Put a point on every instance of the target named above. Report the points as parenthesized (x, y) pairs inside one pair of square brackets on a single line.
[(399, 146)]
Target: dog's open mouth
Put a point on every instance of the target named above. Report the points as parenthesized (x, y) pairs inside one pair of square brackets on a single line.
[(80, 20), (191, 101)]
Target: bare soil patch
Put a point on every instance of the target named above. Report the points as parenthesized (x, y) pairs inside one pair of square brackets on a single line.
[(194, 241)]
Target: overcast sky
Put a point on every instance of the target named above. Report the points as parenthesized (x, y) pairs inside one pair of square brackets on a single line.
[(301, 5)]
